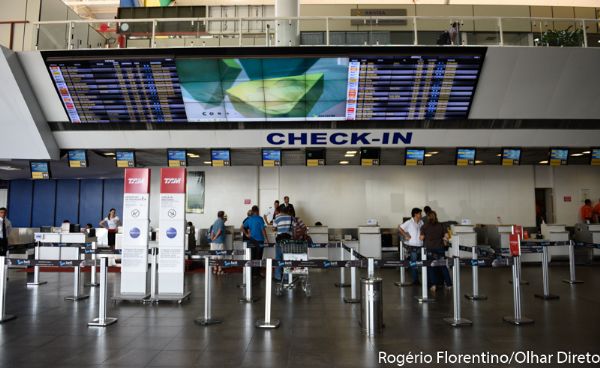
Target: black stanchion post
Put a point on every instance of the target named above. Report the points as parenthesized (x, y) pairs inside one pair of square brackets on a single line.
[(353, 298), (342, 283), (3, 275), (103, 320), (207, 320), (475, 275), (546, 277), (36, 269), (424, 298), (268, 323), (402, 282), (93, 276), (572, 279)]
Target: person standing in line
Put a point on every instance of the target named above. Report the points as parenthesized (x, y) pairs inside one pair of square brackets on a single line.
[(596, 212), (111, 222), (434, 237), (217, 237), (271, 213), (411, 232), (255, 231), (427, 210), (284, 224), (587, 212), (287, 205), (5, 229), (191, 236)]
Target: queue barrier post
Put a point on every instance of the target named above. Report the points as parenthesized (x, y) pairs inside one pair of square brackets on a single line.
[(342, 283), (93, 276), (247, 282), (243, 283), (353, 299), (207, 320), (457, 320), (517, 318), (424, 298), (268, 323), (77, 296), (475, 275), (546, 277), (36, 269), (3, 275), (572, 279), (523, 282), (153, 275), (103, 320), (402, 281)]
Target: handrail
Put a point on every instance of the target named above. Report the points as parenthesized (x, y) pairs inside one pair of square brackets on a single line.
[(12, 29)]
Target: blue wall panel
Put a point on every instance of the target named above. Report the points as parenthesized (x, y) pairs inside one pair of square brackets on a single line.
[(113, 196), (90, 202), (44, 199), (20, 197), (67, 201)]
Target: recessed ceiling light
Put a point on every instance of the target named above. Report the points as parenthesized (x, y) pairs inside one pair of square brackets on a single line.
[(428, 155), (351, 152), (208, 162), (9, 168), (576, 154), (499, 155), (433, 152), (586, 152), (191, 155), (348, 155), (543, 162), (109, 153), (478, 162), (344, 162)]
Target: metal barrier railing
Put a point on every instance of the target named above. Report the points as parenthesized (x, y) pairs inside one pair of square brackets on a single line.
[(228, 32)]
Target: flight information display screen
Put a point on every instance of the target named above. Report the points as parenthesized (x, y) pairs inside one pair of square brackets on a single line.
[(120, 90), (415, 84)]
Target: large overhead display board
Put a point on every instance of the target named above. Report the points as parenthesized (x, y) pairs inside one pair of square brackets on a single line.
[(304, 85)]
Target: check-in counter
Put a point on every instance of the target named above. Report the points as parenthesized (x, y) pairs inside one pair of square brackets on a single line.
[(505, 231), (466, 236), (553, 232), (61, 247), (369, 241), (319, 235), (588, 233)]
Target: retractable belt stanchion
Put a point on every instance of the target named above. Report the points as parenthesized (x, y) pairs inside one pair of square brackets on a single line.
[(247, 298), (424, 298), (93, 277), (36, 269), (572, 279), (3, 274), (546, 277), (475, 275), (517, 319), (207, 320), (402, 281), (523, 282), (457, 320), (77, 296), (244, 269), (153, 275), (103, 320), (353, 298), (268, 323), (342, 283)]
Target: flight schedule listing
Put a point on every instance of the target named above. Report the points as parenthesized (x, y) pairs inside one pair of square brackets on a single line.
[(411, 87), (108, 91)]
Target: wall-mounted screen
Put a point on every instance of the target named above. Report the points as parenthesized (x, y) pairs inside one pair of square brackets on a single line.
[(315, 157), (220, 157), (370, 156), (125, 159), (595, 159), (40, 170), (350, 84), (77, 158), (465, 156), (271, 157), (511, 156), (414, 157), (559, 156), (177, 158)]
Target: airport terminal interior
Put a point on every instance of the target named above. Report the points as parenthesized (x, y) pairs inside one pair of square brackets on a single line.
[(299, 183)]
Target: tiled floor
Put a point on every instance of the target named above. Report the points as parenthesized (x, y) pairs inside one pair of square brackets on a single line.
[(318, 332)]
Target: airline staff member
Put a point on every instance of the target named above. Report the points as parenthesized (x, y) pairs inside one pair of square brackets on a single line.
[(272, 212), (5, 229), (587, 211), (411, 231), (287, 205), (111, 222)]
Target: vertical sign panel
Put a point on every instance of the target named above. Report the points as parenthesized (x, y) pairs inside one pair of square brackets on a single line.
[(135, 231), (171, 241)]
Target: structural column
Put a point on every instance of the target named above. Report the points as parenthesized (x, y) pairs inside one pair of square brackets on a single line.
[(287, 33)]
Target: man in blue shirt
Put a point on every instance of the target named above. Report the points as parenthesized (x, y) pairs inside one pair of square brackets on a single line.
[(217, 236), (256, 233)]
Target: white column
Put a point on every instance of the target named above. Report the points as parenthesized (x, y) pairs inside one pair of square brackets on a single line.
[(287, 33)]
